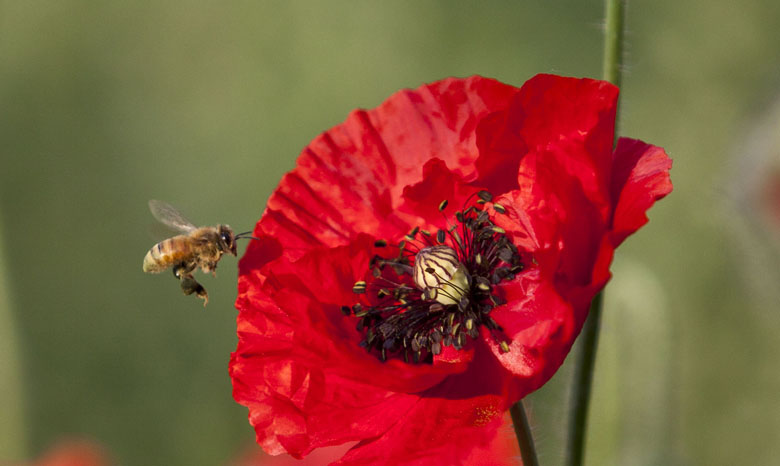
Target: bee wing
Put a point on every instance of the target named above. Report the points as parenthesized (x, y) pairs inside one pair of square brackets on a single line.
[(168, 215)]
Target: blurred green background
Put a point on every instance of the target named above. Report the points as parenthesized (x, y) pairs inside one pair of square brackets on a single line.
[(104, 105)]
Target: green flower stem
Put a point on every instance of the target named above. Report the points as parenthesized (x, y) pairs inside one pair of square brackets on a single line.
[(523, 432), (613, 41), (586, 361), (583, 378)]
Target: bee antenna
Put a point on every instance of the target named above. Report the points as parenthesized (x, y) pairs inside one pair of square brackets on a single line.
[(245, 235)]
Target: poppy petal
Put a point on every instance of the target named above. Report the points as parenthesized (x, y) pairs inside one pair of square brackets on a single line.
[(539, 326), (350, 179), (299, 363), (640, 177), (460, 421)]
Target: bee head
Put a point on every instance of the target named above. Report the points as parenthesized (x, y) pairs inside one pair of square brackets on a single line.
[(227, 240)]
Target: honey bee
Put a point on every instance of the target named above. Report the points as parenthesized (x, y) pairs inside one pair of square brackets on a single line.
[(198, 247)]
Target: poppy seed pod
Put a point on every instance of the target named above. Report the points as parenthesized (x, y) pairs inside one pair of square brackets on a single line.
[(440, 275)]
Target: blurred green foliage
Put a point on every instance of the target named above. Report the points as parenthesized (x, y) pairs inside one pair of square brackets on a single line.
[(206, 104), (12, 401)]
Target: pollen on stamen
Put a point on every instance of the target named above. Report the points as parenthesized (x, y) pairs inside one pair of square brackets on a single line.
[(485, 196), (359, 287)]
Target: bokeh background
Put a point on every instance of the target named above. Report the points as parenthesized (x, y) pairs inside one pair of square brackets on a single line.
[(205, 104)]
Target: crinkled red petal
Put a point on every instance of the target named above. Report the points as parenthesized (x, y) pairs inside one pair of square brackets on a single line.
[(560, 211), (438, 431), (422, 199), (572, 121), (562, 129), (295, 408), (552, 117), (540, 327), (554, 222), (460, 421), (254, 456), (640, 177), (299, 367), (351, 178)]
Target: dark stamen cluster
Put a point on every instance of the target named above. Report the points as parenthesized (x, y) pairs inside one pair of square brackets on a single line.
[(401, 320)]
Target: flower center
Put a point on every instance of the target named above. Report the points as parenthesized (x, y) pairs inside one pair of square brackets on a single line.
[(438, 289)]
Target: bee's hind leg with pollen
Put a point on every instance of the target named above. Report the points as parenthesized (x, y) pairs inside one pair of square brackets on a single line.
[(189, 285)]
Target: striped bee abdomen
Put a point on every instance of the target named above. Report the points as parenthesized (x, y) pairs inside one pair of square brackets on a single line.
[(167, 253)]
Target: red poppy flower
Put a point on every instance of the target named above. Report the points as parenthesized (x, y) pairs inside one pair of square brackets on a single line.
[(372, 311)]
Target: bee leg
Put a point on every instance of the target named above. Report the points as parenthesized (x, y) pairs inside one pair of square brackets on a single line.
[(210, 267), (189, 285), (182, 268)]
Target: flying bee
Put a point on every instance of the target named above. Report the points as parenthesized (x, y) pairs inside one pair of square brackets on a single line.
[(198, 247)]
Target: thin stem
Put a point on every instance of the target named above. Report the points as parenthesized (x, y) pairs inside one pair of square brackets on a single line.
[(586, 361), (523, 432), (583, 378), (613, 41)]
